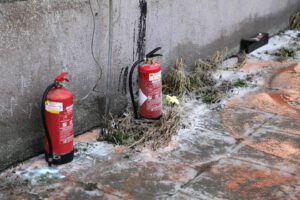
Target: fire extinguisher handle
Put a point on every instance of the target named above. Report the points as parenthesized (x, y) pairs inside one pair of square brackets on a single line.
[(151, 53), (155, 55), (61, 77)]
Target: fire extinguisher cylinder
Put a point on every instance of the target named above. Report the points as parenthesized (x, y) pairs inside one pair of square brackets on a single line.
[(57, 115), (150, 87)]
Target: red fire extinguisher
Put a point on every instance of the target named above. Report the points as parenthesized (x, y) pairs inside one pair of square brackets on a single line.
[(57, 115), (150, 87)]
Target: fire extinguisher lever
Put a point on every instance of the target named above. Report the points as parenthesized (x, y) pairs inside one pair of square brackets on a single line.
[(151, 53), (61, 77), (154, 55)]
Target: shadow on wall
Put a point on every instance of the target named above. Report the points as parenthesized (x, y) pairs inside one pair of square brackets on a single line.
[(10, 1), (190, 52)]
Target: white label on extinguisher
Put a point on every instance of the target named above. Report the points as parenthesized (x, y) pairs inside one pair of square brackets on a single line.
[(66, 126), (154, 76), (54, 107), (142, 97)]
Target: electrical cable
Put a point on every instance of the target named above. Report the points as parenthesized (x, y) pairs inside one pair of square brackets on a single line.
[(93, 53)]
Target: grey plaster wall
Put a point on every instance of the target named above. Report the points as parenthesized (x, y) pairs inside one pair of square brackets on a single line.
[(41, 38)]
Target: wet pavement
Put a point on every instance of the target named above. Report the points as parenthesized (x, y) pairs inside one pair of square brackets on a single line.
[(247, 147)]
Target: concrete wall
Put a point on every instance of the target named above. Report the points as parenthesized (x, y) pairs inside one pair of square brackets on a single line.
[(41, 38)]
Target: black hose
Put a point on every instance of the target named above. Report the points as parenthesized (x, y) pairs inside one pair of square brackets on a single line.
[(130, 87), (50, 158)]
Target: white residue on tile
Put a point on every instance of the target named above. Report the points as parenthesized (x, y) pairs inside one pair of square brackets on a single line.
[(287, 39), (36, 174)]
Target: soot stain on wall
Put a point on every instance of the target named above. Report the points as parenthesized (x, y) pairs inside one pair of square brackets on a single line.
[(141, 46), (10, 1), (124, 89), (133, 46), (142, 30), (122, 86), (120, 78)]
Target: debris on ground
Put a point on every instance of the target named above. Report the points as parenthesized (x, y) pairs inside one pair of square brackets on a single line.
[(295, 21), (284, 53), (251, 44), (131, 132), (242, 58), (281, 48)]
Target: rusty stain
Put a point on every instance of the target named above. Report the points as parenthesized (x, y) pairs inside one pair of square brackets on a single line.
[(19, 196), (118, 149), (181, 173), (259, 118), (246, 180), (285, 102), (292, 131), (128, 183), (282, 149), (89, 136), (256, 64), (125, 194), (108, 190), (287, 77)]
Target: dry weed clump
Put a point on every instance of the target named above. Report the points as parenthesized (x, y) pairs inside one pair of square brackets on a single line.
[(201, 76), (177, 82), (242, 58), (131, 132), (295, 21), (200, 80)]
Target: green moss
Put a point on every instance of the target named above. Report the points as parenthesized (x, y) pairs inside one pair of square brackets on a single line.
[(240, 83), (281, 59), (209, 99), (128, 156), (118, 137)]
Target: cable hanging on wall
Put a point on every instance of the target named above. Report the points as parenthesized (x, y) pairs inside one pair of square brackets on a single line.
[(92, 51)]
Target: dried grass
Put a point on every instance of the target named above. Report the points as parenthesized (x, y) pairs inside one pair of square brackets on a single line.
[(242, 58), (200, 80), (128, 131), (295, 21), (177, 83)]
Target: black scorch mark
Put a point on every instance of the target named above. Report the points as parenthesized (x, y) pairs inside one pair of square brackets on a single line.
[(140, 51), (122, 86), (124, 89), (133, 50), (120, 78)]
